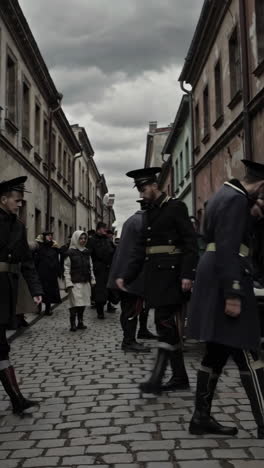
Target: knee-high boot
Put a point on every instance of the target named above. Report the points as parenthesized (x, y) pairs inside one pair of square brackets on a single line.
[(9, 382), (202, 422), (143, 332), (153, 385), (179, 379), (253, 383), (73, 319), (80, 311)]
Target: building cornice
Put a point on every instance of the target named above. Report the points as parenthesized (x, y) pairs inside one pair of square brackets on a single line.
[(211, 18), (19, 29), (62, 192), (19, 157)]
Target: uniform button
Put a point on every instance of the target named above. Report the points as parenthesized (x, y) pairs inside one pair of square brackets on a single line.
[(170, 241), (149, 239), (173, 267), (146, 259), (149, 228), (9, 256)]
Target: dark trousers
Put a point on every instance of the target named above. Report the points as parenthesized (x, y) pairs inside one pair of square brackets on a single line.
[(250, 369), (4, 346), (165, 320), (131, 307), (216, 357)]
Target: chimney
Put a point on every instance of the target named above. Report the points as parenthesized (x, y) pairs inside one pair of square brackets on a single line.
[(153, 126)]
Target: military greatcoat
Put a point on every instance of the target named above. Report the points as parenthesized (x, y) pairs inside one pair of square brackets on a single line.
[(14, 249), (226, 273), (166, 227)]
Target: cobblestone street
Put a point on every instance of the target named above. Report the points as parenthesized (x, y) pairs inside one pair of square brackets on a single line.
[(91, 413)]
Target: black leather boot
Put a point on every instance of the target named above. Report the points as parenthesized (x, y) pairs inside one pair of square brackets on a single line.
[(254, 387), (9, 382), (73, 319), (100, 310), (202, 422), (179, 379), (134, 347), (80, 325), (153, 385)]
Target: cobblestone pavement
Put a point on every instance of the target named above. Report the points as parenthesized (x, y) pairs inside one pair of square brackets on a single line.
[(91, 413)]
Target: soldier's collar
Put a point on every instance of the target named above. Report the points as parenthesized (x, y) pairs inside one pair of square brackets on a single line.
[(163, 198), (236, 185)]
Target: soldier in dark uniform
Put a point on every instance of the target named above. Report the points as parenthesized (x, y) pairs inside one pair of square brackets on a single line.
[(132, 301), (167, 249), (15, 256), (223, 307)]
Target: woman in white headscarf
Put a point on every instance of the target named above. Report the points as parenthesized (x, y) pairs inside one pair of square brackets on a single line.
[(79, 275)]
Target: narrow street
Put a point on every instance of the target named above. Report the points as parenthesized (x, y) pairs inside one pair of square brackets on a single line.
[(91, 413)]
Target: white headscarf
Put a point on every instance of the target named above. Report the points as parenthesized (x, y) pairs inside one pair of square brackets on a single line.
[(75, 240)]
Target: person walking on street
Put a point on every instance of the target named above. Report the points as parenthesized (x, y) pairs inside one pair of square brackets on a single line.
[(102, 252), (132, 305), (15, 257), (78, 272), (167, 249), (223, 307), (47, 262)]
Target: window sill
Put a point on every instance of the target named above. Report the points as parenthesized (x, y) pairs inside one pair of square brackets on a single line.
[(218, 121), (26, 143), (11, 126), (235, 100), (206, 138), (260, 69), (37, 157), (197, 149)]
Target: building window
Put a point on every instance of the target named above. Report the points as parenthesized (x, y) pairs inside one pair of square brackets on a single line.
[(181, 167), (176, 175), (53, 149), (45, 140), (259, 6), (11, 88), (60, 157), (37, 222), (25, 110), (69, 171), (234, 63), (218, 90), (197, 125), (64, 164), (37, 128), (80, 178), (206, 110), (83, 190), (187, 156)]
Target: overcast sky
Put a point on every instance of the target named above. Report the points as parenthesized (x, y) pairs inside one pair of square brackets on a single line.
[(117, 63)]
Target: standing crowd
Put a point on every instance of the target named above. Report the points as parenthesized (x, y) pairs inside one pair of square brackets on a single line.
[(162, 262)]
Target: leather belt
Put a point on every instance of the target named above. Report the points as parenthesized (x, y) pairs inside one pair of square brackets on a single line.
[(243, 251), (161, 249), (9, 267)]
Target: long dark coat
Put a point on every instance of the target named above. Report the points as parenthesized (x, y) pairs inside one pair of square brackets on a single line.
[(48, 267), (14, 249), (131, 231), (225, 273), (167, 223), (102, 251)]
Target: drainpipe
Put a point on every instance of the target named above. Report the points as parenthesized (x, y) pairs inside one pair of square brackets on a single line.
[(51, 114), (192, 145), (77, 156), (245, 75)]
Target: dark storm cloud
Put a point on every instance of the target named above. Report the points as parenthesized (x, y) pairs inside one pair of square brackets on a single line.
[(117, 63), (127, 35)]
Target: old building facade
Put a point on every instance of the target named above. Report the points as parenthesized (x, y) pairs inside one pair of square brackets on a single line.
[(225, 67), (178, 147), (35, 137)]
